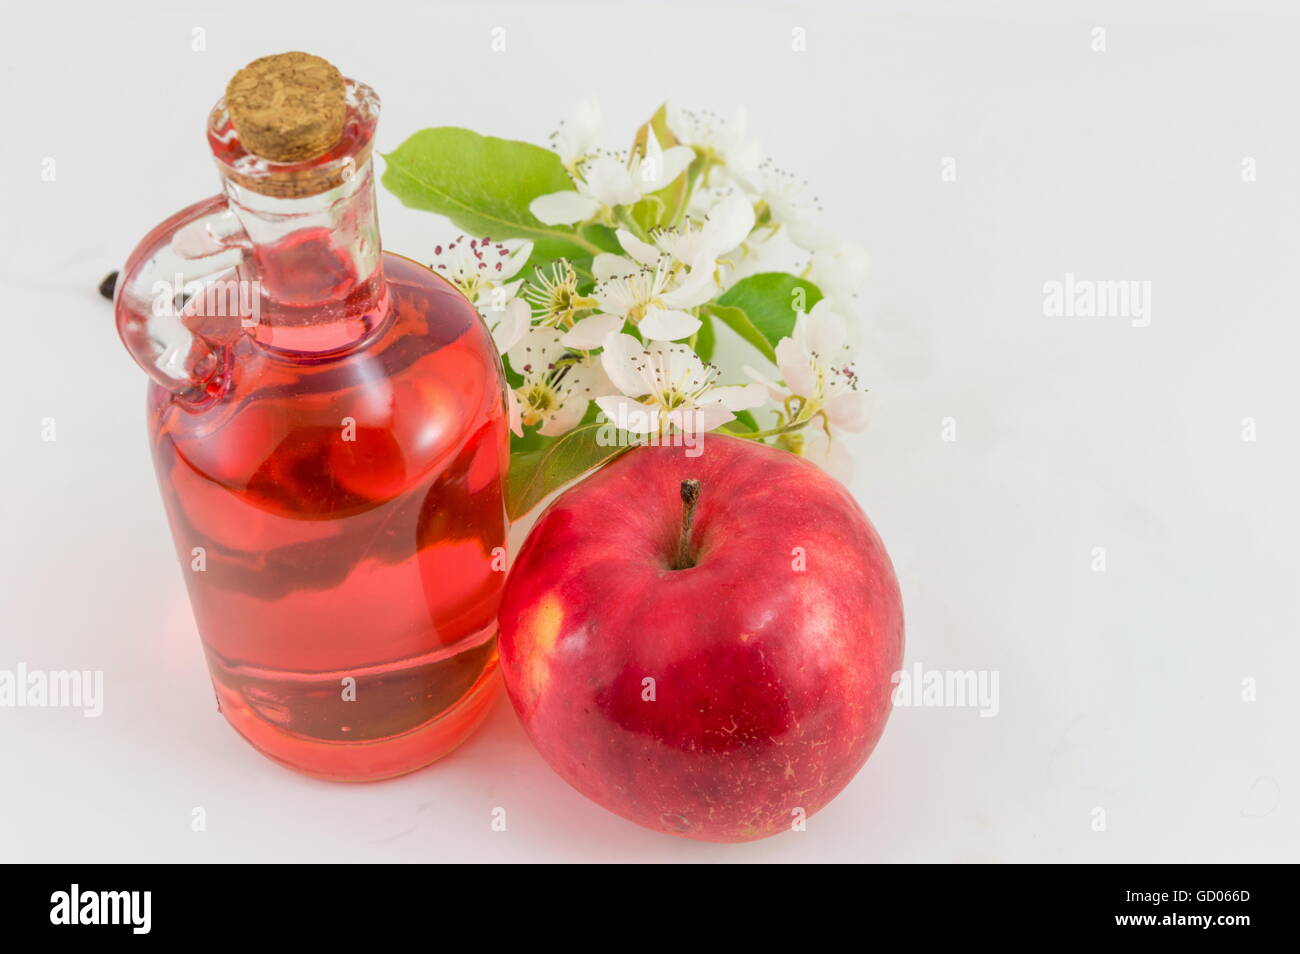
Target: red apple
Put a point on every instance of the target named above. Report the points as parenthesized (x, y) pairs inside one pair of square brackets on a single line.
[(719, 676)]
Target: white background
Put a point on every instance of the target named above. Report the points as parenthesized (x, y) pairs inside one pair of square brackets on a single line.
[(1119, 689)]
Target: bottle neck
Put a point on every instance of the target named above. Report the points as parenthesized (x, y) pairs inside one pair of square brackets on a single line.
[(314, 264)]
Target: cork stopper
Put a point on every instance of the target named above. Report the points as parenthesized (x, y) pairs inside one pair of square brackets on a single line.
[(287, 108)]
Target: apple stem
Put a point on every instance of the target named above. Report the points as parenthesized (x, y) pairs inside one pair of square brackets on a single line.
[(690, 497)]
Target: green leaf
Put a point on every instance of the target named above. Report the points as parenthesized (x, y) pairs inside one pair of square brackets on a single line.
[(647, 212), (528, 442), (483, 184), (548, 251), (706, 338), (736, 319), (603, 238), (770, 301), (533, 475), (745, 423)]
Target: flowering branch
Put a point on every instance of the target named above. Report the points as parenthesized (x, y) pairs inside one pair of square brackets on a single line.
[(604, 277)]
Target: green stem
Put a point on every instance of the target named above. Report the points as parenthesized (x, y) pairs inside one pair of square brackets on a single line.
[(771, 432), (625, 217), (693, 176), (587, 245)]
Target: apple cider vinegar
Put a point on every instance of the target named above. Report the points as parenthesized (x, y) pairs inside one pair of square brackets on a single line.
[(331, 456)]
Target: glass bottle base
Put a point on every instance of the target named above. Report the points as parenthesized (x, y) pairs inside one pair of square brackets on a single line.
[(343, 759)]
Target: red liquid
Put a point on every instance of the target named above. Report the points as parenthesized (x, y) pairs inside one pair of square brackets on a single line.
[(348, 506)]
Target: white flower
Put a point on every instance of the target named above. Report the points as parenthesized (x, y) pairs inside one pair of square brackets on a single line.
[(816, 365), (643, 253), (726, 226), (825, 451), (839, 270), (557, 386), (675, 389), (608, 182), (605, 181), (482, 270), (516, 414), (565, 208), (655, 167), (591, 332), (792, 208), (479, 267), (555, 295), (508, 324), (578, 138), (723, 143), (594, 369), (653, 298)]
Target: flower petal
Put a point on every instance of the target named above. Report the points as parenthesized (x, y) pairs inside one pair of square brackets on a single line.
[(510, 264), (643, 252), (697, 288), (745, 166), (774, 390), (830, 455), (536, 351), (840, 269), (516, 414), (674, 163), (686, 244), (701, 418), (629, 415), (827, 332), (598, 380), (661, 324), (607, 265), (738, 397), (849, 411), (675, 363), (563, 208), (808, 235), (567, 417), (513, 324), (503, 293), (680, 123), (580, 136), (655, 166), (796, 371), (591, 332), (621, 360), (608, 182), (728, 224)]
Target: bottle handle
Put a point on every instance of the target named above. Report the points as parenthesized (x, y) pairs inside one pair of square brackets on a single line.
[(181, 345)]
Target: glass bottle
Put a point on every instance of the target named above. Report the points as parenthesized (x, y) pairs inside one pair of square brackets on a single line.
[(329, 428)]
